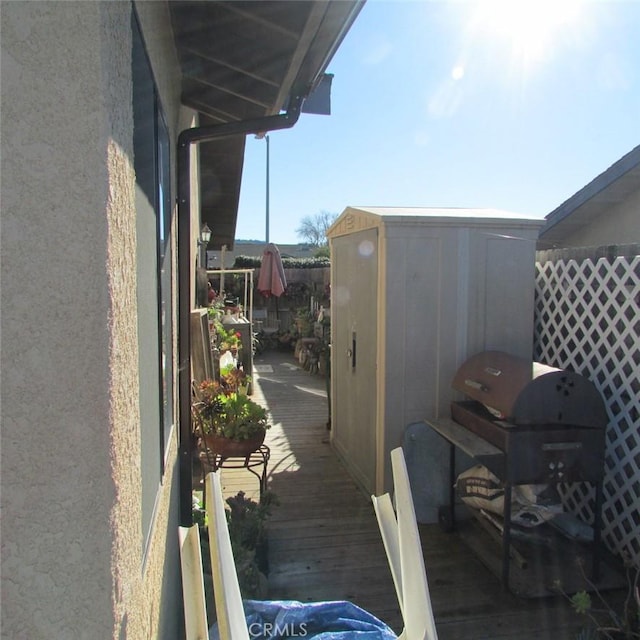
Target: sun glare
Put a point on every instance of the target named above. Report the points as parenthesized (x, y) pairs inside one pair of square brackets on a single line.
[(529, 26)]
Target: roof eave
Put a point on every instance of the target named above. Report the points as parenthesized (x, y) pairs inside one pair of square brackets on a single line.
[(594, 199)]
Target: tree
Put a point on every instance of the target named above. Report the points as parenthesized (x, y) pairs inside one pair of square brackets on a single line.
[(322, 252), (313, 229)]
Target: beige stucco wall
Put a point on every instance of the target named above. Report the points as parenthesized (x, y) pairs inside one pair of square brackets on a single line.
[(72, 547), (619, 225)]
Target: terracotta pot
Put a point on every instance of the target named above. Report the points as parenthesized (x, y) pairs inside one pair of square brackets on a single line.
[(228, 448)]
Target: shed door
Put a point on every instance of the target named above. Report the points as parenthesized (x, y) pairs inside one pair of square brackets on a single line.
[(353, 352)]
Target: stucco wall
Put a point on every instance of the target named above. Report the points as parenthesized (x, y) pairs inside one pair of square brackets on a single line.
[(72, 547), (619, 225), (56, 310)]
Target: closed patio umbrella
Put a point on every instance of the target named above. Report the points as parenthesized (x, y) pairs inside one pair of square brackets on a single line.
[(272, 281)]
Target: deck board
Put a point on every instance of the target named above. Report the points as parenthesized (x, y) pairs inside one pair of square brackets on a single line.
[(324, 542)]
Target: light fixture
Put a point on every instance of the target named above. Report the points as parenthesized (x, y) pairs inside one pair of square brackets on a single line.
[(203, 241), (205, 234)]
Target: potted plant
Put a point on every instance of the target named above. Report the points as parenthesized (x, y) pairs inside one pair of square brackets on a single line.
[(227, 340), (247, 523), (230, 423), (247, 520), (233, 378)]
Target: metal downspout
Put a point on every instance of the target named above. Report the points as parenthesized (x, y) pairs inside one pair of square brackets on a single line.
[(185, 140)]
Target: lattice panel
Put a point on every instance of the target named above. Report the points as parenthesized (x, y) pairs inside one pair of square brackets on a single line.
[(588, 320)]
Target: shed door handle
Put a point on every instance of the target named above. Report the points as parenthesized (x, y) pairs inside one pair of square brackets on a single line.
[(351, 353)]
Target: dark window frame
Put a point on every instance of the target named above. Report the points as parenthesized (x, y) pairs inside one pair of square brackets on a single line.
[(154, 187), (166, 310)]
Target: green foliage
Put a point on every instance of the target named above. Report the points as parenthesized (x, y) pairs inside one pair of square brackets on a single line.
[(247, 520), (303, 323), (198, 511), (247, 523), (323, 252), (215, 308), (255, 262), (229, 414), (247, 262), (239, 418), (206, 404), (298, 293), (608, 622), (233, 379), (227, 338), (581, 602), (250, 579)]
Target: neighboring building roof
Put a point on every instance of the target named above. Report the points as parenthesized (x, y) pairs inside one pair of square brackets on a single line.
[(241, 61), (610, 188)]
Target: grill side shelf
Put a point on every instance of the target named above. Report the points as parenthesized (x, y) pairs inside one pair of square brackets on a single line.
[(474, 446)]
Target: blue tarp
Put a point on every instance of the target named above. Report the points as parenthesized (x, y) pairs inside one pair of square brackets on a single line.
[(339, 620)]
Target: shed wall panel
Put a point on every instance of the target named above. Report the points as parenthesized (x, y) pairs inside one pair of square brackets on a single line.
[(448, 287)]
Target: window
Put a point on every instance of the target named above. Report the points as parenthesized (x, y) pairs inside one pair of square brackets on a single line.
[(152, 165), (165, 272)]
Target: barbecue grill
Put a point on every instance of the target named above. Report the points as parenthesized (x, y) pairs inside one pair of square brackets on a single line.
[(549, 422), (528, 423)]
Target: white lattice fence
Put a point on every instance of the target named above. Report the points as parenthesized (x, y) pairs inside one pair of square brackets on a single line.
[(588, 321)]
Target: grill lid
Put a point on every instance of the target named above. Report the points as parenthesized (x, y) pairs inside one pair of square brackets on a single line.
[(526, 392)]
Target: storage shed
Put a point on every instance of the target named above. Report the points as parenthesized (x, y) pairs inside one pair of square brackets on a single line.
[(414, 293)]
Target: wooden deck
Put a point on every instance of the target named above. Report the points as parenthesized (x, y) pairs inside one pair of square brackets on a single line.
[(324, 542)]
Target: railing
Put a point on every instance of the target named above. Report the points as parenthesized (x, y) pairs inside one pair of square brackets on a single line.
[(248, 286)]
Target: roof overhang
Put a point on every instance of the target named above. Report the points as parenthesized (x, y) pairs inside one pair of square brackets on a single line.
[(605, 191), (242, 60)]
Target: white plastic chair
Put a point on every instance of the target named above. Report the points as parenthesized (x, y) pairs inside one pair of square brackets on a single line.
[(230, 616), (232, 624), (195, 608), (401, 540)]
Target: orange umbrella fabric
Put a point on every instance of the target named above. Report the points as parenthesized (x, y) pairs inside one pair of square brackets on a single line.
[(272, 281)]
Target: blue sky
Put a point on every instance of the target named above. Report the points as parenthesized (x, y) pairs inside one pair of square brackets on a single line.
[(457, 104)]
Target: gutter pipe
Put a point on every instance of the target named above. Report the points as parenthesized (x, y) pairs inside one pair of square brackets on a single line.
[(187, 138)]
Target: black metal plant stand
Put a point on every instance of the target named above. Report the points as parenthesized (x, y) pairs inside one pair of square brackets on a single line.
[(256, 463)]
